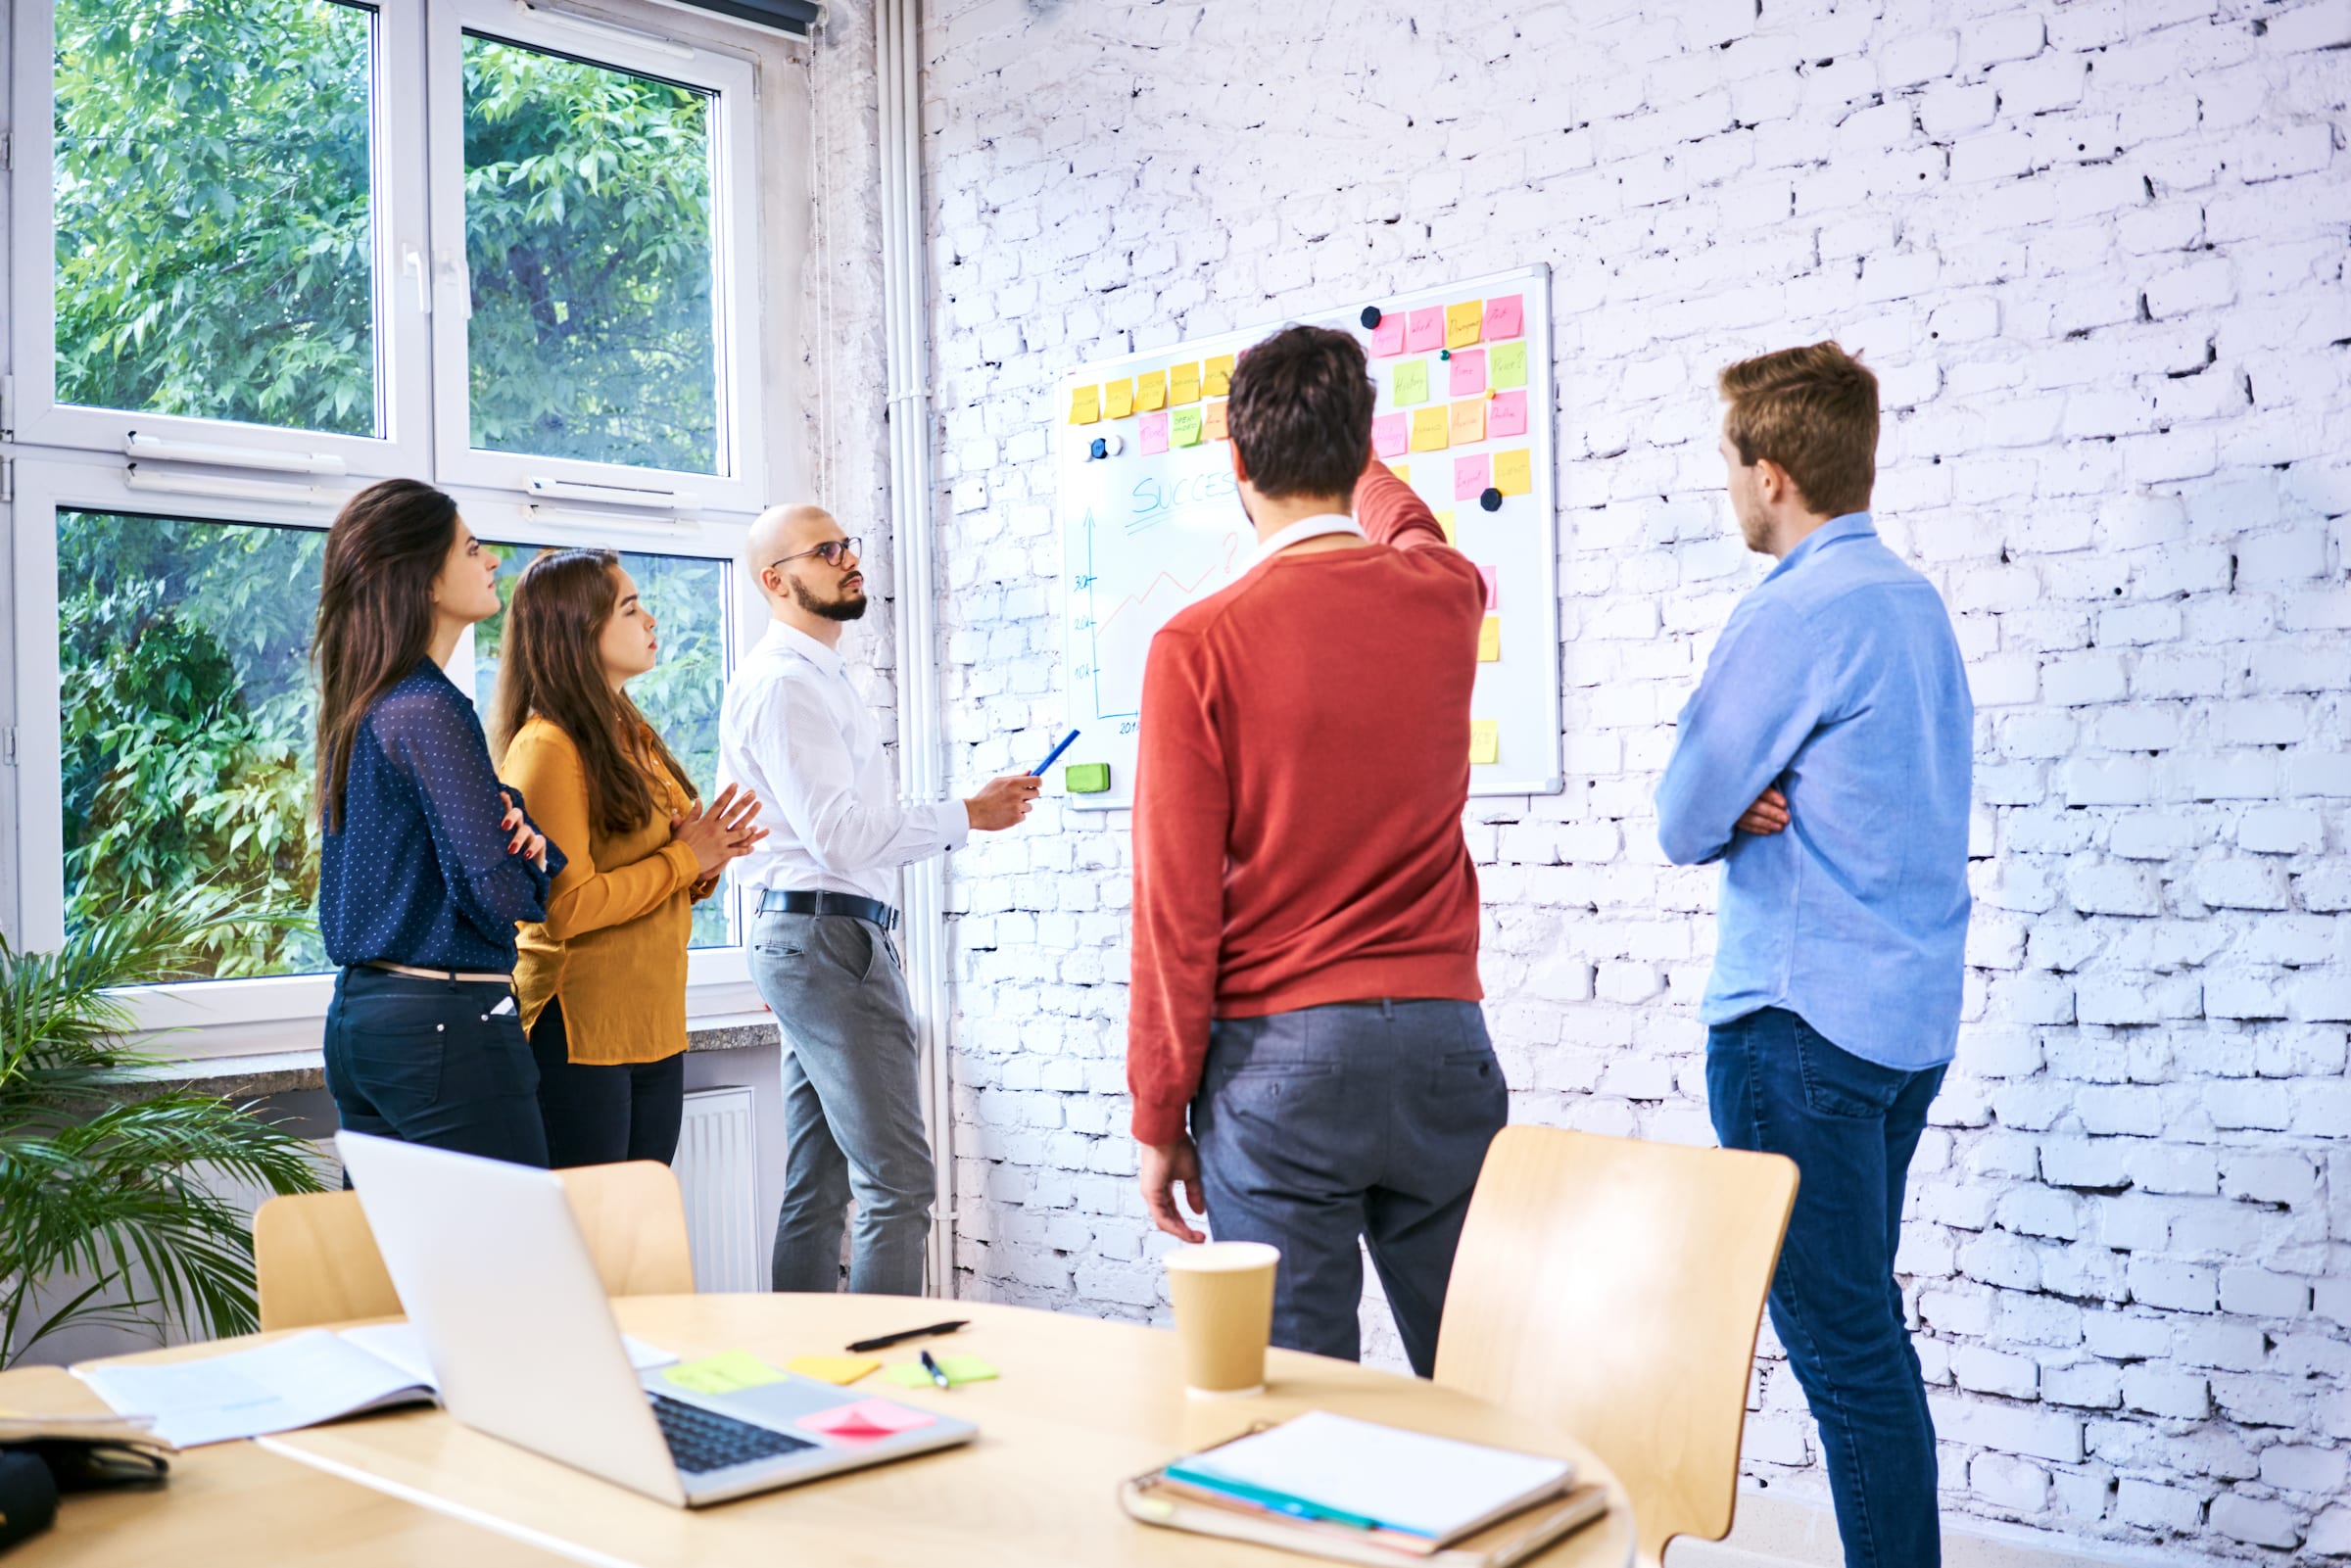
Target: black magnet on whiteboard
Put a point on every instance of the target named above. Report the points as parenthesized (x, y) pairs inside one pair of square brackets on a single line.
[(1490, 498), (1100, 448), (1444, 354), (1370, 315)]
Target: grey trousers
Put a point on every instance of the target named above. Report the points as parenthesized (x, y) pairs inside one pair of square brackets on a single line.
[(1362, 1119), (852, 1105)]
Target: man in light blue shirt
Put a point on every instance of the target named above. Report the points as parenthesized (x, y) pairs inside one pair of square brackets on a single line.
[(1825, 761)]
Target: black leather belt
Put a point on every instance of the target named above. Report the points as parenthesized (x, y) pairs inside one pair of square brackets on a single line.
[(803, 901)]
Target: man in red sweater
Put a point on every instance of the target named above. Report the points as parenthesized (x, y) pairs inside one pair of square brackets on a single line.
[(1305, 980)]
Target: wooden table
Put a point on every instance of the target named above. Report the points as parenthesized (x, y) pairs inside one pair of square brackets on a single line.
[(1081, 1405)]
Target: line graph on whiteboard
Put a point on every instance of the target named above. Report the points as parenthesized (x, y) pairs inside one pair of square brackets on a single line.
[(1194, 539)]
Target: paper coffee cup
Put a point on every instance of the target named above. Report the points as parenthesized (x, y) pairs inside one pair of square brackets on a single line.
[(1224, 1293)]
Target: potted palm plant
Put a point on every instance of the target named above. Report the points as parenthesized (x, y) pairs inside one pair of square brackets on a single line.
[(102, 1181)]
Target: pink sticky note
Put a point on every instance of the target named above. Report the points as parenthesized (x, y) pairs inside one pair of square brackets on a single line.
[(1506, 415), (1493, 587), (1469, 371), (866, 1419), (1425, 333), (1506, 318), (1387, 338), (1154, 435), (1471, 476), (1391, 433)]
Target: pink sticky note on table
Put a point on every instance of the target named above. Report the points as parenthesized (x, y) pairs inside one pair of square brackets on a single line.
[(1153, 437), (1425, 332), (1493, 587), (866, 1419), (1506, 415), (1469, 371), (1387, 338), (1506, 318), (1471, 476), (1391, 433)]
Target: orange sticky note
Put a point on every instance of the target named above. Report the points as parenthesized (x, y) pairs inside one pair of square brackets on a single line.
[(1118, 398), (1151, 389), (1217, 379), (1085, 405), (1463, 323), (1183, 383), (1489, 640), (1485, 741), (1468, 421), (1212, 422), (1512, 474), (1428, 429)]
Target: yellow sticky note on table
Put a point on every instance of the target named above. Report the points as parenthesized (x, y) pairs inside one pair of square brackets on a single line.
[(1118, 398), (1183, 383), (727, 1372), (1151, 389), (832, 1368), (1470, 422), (1217, 377), (1463, 323), (1212, 422), (960, 1369), (1184, 427), (1445, 521), (1505, 365), (1411, 384), (1512, 474), (1428, 429), (1485, 741), (1489, 640), (1085, 405)]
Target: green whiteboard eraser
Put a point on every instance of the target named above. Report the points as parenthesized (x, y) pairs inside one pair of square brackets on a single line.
[(1086, 777)]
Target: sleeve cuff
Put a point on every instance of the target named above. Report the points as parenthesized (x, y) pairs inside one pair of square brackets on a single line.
[(682, 863), (1158, 1123), (954, 825)]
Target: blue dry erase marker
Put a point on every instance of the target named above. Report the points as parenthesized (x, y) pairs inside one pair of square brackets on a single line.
[(1051, 756)]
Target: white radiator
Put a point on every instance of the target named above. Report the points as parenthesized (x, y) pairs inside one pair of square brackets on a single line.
[(718, 1170)]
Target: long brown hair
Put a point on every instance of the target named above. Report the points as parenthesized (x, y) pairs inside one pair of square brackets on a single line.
[(375, 613), (549, 666)]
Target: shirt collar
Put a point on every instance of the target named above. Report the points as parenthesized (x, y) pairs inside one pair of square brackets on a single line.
[(1305, 528), (1845, 525), (783, 639)]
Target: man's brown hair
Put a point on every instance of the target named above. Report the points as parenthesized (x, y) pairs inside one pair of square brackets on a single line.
[(1300, 414), (1813, 412)]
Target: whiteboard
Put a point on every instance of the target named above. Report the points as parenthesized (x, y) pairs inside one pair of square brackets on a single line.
[(1145, 533)]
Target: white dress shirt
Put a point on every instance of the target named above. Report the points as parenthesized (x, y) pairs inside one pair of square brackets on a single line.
[(796, 732)]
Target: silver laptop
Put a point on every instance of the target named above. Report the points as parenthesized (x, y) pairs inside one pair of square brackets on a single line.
[(495, 1276)]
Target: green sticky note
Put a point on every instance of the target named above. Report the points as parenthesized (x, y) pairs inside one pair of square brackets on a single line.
[(728, 1372), (960, 1369), (1412, 383), (1183, 428), (1505, 365), (1086, 777)]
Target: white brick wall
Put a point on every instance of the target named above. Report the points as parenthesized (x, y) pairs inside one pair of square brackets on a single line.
[(2095, 251)]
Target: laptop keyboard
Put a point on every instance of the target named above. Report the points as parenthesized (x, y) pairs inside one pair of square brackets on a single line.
[(701, 1441)]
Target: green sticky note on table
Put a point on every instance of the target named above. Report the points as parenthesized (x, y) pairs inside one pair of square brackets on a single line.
[(960, 1369), (1412, 384), (1086, 777), (1505, 365), (727, 1372)]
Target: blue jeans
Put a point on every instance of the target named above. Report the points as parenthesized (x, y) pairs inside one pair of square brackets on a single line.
[(433, 1062), (1332, 1127), (1774, 1082)]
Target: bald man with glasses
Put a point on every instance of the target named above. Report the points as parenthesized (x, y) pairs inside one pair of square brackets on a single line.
[(824, 889)]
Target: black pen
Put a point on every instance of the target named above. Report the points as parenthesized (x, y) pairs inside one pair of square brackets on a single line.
[(938, 1373), (885, 1341)]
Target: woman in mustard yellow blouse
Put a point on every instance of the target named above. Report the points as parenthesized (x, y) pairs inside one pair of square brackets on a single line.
[(601, 980)]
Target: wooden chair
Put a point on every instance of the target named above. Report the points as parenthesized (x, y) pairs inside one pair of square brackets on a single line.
[(317, 1260), (1613, 1288)]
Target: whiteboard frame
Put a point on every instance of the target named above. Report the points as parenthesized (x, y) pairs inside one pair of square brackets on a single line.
[(1541, 435)]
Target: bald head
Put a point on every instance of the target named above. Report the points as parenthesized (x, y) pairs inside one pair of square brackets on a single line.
[(792, 553), (785, 529)]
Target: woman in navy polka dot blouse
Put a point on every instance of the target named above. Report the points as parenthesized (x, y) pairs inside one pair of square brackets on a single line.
[(427, 862)]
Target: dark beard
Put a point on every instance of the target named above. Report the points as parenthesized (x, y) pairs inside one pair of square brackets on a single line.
[(843, 608)]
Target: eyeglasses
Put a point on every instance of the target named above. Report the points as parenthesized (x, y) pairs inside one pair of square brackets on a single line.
[(830, 552)]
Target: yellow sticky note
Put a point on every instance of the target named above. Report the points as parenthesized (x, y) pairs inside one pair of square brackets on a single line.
[(1411, 384), (1212, 422), (1445, 521), (1505, 365), (1183, 383), (1489, 640), (1470, 422), (1217, 378), (1151, 389), (1463, 323), (1118, 398), (727, 1372), (960, 1369), (832, 1368), (1428, 429), (1485, 741), (1513, 475), (1183, 428), (1085, 405), (1402, 471)]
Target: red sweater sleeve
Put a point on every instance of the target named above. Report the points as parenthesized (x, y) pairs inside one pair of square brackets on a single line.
[(1183, 806), (1391, 512)]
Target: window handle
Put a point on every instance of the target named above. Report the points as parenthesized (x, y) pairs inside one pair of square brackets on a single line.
[(411, 264), (447, 262)]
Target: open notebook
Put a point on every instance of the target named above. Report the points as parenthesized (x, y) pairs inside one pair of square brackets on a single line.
[(317, 1375)]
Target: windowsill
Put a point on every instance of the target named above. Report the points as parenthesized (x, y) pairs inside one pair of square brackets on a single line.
[(245, 1077)]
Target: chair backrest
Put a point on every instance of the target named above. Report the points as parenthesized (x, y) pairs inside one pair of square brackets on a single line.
[(1613, 1287), (317, 1263)]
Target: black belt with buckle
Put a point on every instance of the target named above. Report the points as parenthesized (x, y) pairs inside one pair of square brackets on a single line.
[(803, 901)]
